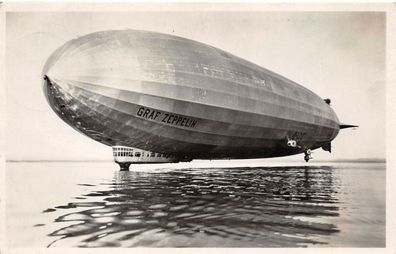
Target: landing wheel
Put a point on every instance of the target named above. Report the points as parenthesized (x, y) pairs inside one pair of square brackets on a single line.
[(307, 156)]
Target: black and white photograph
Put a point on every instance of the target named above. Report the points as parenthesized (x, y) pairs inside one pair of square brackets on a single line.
[(198, 125)]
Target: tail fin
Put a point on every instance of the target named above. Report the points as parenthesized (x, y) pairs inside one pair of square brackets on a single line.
[(345, 126)]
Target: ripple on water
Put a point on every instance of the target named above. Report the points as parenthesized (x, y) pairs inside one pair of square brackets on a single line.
[(239, 207)]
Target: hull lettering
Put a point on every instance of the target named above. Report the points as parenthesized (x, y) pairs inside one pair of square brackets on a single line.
[(167, 118)]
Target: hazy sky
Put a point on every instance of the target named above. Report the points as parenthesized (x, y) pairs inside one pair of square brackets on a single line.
[(337, 55)]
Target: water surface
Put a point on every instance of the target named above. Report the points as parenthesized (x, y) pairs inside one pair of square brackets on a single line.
[(94, 205)]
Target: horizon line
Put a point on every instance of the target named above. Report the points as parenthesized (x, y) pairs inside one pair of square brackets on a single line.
[(102, 161)]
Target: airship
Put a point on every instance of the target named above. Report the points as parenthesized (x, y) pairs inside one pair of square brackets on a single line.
[(158, 98)]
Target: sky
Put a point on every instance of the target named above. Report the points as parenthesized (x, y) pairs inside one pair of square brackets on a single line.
[(337, 55)]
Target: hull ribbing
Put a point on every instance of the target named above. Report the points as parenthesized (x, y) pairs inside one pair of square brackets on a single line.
[(172, 95)]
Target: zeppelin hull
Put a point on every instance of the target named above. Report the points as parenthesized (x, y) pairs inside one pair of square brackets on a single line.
[(171, 95)]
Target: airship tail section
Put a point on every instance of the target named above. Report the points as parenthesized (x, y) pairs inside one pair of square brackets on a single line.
[(345, 126)]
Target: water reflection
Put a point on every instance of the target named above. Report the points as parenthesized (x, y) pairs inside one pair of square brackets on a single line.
[(238, 207)]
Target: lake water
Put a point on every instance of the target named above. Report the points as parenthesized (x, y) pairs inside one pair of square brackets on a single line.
[(199, 204)]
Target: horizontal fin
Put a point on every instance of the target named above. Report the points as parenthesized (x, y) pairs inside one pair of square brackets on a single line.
[(345, 126)]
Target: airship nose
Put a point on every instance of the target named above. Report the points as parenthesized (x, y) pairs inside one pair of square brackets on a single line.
[(47, 89), (46, 85), (52, 94), (56, 97)]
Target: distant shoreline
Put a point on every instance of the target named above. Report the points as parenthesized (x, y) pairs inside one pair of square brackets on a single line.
[(355, 160), (374, 160), (55, 161)]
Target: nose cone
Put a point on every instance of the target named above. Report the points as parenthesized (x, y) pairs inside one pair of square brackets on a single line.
[(81, 80), (65, 71), (49, 90), (60, 94), (73, 109), (58, 99), (50, 77), (46, 83)]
